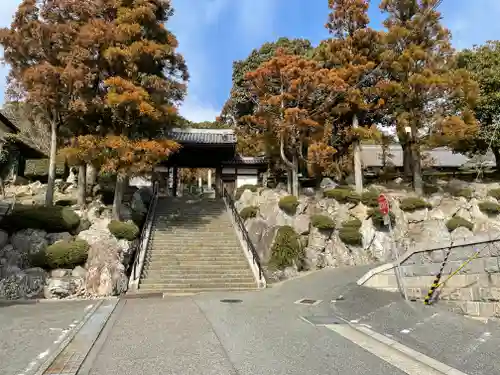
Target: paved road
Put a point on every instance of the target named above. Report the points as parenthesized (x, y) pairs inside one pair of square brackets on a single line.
[(268, 333), (30, 333)]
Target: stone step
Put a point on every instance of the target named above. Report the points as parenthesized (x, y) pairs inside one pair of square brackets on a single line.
[(246, 277), (183, 246), (201, 267), (221, 265), (164, 280), (196, 259), (194, 253), (182, 291), (216, 285), (195, 236)]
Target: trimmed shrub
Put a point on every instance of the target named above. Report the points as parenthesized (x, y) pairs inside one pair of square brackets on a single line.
[(249, 212), (342, 195), (352, 223), (286, 250), (322, 222), (414, 204), (465, 192), (52, 219), (370, 198), (66, 202), (495, 193), (457, 222), (242, 188), (127, 230), (378, 219), (289, 204), (489, 208), (351, 236), (62, 254)]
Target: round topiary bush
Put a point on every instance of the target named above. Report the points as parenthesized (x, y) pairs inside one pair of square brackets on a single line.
[(412, 204), (126, 230), (289, 204), (457, 222), (242, 188), (378, 219), (62, 254), (322, 222), (495, 193), (351, 236), (370, 198), (53, 219), (286, 250), (342, 195), (489, 208), (352, 223), (249, 212)]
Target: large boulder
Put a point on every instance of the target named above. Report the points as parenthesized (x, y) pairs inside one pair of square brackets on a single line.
[(29, 241), (105, 270), (4, 238), (54, 237), (23, 284)]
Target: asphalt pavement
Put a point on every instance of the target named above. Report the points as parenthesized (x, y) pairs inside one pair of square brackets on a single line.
[(270, 332)]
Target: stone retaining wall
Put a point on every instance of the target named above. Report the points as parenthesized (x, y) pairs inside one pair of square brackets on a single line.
[(474, 290)]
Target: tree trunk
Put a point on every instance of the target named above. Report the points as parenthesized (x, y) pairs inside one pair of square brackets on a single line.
[(407, 162), (295, 176), (2, 188), (289, 181), (49, 196), (358, 171), (66, 170), (82, 185), (91, 177), (418, 185), (496, 153), (118, 198)]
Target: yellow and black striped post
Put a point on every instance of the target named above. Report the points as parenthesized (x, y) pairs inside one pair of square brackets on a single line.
[(435, 284)]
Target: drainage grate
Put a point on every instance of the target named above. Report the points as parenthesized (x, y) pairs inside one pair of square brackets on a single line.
[(308, 302), (323, 320), (231, 300)]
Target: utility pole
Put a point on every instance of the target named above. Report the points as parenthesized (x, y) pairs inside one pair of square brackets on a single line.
[(358, 172)]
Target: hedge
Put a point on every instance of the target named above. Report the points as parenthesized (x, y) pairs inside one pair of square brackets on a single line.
[(62, 254), (489, 208), (289, 204), (242, 188), (495, 193), (342, 195), (414, 204), (370, 198), (126, 230), (457, 222), (53, 219), (249, 212), (286, 250), (322, 222), (378, 219), (350, 234)]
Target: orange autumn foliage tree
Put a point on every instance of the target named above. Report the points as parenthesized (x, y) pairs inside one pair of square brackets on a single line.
[(286, 89), (145, 81)]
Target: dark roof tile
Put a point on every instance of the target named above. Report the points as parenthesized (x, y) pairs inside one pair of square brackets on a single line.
[(202, 136)]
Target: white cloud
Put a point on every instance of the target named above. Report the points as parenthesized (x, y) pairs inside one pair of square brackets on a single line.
[(252, 20)]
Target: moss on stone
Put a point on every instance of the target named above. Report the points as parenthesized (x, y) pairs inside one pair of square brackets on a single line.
[(457, 222), (322, 222), (342, 195), (289, 204), (249, 212), (413, 204)]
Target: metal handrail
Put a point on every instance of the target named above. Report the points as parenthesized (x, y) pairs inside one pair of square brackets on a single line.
[(243, 230), (144, 239)]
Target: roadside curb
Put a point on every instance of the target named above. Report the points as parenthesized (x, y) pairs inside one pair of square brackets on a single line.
[(45, 365)]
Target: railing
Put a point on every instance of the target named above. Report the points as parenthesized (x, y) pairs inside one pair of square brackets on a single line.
[(228, 199), (140, 254)]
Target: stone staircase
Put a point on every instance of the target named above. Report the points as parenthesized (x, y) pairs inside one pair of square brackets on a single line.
[(194, 248)]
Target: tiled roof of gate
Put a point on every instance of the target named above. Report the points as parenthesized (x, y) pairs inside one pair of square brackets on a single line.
[(247, 160), (202, 136)]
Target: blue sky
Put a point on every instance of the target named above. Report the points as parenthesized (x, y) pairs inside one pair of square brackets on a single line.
[(214, 33)]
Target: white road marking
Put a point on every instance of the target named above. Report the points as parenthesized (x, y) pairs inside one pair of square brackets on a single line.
[(391, 351), (420, 323)]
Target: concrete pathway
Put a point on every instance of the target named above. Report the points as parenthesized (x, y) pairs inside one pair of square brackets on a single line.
[(345, 330)]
